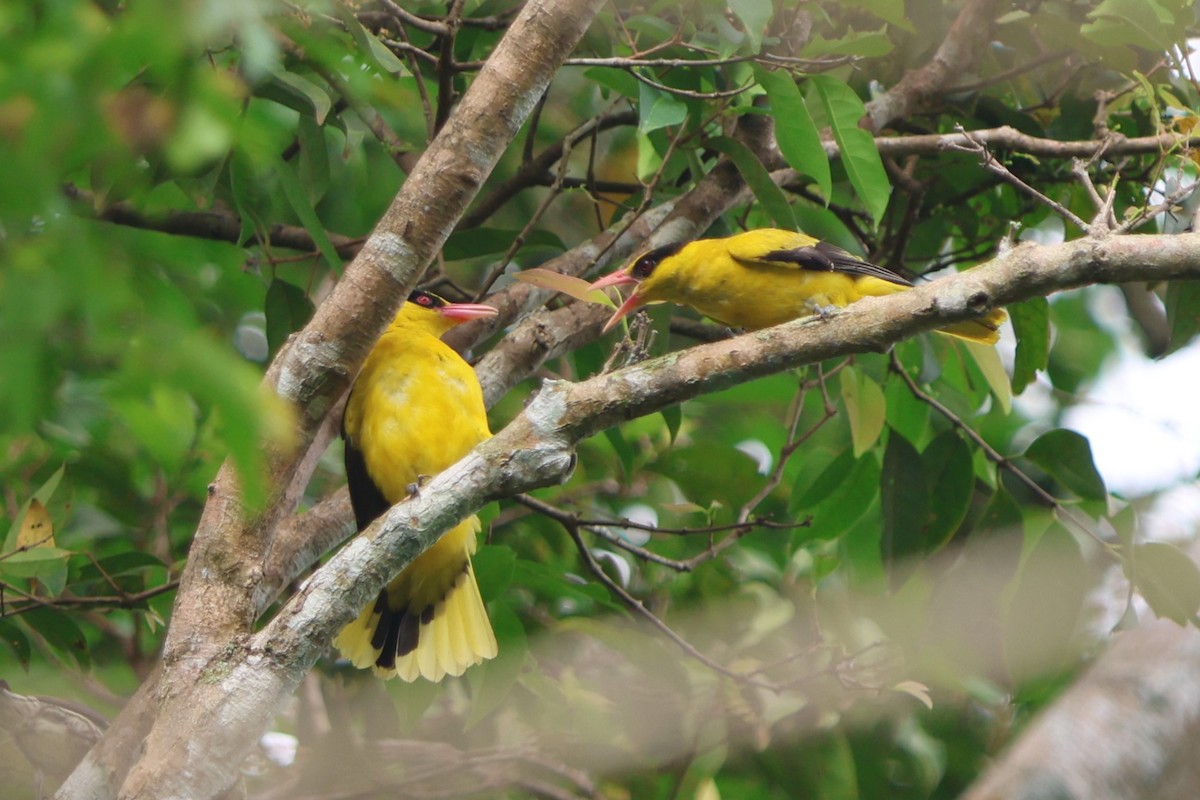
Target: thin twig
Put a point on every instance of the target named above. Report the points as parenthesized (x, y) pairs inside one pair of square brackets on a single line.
[(638, 608), (994, 166)]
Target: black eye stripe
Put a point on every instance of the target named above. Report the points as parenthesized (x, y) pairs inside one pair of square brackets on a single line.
[(646, 263), (426, 299)]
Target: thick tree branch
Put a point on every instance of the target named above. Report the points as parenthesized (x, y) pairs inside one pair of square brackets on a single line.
[(1129, 729), (923, 88), (250, 681)]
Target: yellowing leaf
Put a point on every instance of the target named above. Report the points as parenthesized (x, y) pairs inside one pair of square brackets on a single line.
[(988, 360), (916, 689), (36, 528), (865, 407)]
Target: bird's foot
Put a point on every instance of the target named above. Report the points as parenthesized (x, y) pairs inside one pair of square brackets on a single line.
[(414, 488), (821, 311)]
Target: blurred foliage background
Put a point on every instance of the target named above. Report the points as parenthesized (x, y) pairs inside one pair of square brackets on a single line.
[(878, 567)]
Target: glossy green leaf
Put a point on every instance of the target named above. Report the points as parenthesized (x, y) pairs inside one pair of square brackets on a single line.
[(758, 179), (1031, 324), (947, 467), (302, 205), (849, 499), (1067, 457), (658, 109), (1168, 579), (904, 498), (755, 15), (797, 134), (618, 80), (844, 110)]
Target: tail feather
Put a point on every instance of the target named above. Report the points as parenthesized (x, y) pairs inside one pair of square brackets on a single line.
[(430, 621)]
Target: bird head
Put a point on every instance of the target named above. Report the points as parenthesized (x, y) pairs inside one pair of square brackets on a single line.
[(427, 310), (641, 272)]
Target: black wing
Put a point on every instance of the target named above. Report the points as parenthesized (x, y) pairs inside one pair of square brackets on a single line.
[(824, 257), (366, 499)]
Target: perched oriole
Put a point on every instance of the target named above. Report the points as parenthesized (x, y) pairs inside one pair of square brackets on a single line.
[(415, 409), (765, 277)]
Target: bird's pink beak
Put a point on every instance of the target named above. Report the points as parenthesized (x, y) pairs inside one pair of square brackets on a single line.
[(466, 311), (618, 278), (632, 303)]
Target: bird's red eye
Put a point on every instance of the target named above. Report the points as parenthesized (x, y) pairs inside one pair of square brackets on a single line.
[(645, 265)]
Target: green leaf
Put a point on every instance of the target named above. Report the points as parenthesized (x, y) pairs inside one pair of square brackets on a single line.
[(844, 109), (890, 11), (1031, 324), (797, 134), (307, 214), (1043, 613), (60, 632), (618, 80), (314, 159), (754, 14), (288, 309), (866, 44), (865, 408), (17, 641), (657, 109), (1183, 312), (369, 47), (904, 498), (759, 180), (673, 417), (164, 422), (297, 93), (848, 488), (1067, 457), (624, 450), (494, 565), (1168, 579), (46, 564), (1144, 23), (947, 465)]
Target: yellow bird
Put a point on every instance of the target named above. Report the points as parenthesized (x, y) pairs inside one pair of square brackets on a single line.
[(415, 409), (766, 277)]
